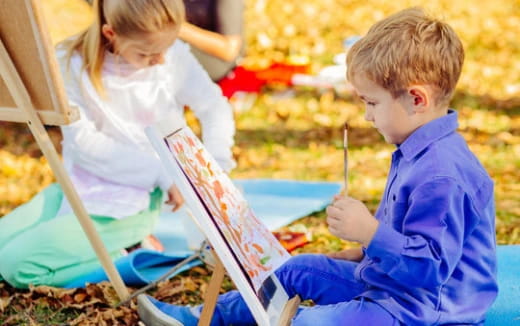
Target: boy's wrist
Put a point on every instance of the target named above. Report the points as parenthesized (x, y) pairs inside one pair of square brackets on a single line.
[(371, 231)]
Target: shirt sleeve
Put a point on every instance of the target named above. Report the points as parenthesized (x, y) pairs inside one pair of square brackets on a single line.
[(109, 159), (430, 245), (84, 145), (205, 98)]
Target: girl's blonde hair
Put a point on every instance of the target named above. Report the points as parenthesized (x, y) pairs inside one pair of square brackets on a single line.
[(127, 18), (409, 48)]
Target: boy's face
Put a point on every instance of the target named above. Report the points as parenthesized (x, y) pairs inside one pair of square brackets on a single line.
[(145, 49), (392, 117)]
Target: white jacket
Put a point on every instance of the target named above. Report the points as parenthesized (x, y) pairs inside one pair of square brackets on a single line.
[(106, 152)]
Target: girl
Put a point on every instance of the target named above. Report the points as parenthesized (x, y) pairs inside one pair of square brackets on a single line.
[(125, 72)]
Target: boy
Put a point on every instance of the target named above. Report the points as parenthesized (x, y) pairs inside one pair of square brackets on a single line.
[(428, 254)]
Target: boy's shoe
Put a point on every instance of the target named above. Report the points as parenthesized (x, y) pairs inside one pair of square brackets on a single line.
[(156, 313)]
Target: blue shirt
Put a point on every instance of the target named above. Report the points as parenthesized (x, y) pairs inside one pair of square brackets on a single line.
[(432, 260)]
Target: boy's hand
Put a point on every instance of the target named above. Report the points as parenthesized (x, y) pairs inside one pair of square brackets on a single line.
[(349, 219), (174, 198), (352, 254)]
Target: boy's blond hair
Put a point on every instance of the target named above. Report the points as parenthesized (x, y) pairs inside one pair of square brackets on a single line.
[(127, 18), (409, 48)]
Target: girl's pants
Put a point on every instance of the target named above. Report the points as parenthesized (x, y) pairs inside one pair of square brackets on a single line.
[(37, 247), (330, 283)]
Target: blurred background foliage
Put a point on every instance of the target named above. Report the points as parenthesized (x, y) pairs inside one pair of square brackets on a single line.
[(296, 133)]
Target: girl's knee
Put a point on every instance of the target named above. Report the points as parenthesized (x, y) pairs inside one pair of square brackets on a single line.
[(15, 273), (19, 271)]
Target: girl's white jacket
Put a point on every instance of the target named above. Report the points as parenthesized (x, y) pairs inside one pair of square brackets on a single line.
[(106, 152)]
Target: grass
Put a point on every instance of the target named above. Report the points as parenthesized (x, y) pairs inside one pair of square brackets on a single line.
[(296, 133)]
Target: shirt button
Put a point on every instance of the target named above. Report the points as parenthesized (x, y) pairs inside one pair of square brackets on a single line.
[(394, 197), (385, 210)]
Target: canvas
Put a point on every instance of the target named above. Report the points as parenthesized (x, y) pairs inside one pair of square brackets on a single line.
[(248, 250)]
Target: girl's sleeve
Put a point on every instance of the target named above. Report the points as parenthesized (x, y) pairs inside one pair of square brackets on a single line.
[(109, 159), (430, 245), (197, 90), (85, 146)]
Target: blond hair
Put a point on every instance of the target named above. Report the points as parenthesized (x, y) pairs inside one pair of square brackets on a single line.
[(127, 18), (409, 48)]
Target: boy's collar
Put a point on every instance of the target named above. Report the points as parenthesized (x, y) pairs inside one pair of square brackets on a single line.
[(428, 133)]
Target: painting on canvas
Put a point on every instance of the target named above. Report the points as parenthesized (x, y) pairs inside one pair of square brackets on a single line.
[(259, 252)]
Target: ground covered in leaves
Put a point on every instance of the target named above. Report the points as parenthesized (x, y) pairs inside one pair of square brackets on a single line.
[(296, 133)]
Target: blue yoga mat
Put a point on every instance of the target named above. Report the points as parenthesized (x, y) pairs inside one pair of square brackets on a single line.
[(276, 202), (140, 267), (280, 202), (506, 309)]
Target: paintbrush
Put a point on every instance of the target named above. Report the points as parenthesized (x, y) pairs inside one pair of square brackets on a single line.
[(345, 159)]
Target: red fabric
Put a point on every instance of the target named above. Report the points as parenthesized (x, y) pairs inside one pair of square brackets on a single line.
[(281, 73), (242, 79), (292, 240)]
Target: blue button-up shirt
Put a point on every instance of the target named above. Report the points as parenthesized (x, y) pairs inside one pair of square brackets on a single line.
[(432, 259)]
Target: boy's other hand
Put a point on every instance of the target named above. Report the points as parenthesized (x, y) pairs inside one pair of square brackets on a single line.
[(174, 198), (349, 219), (351, 254)]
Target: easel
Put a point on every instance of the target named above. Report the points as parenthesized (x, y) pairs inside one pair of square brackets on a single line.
[(179, 150), (31, 92), (212, 292)]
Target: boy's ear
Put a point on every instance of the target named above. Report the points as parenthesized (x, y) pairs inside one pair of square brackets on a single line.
[(108, 33), (419, 96)]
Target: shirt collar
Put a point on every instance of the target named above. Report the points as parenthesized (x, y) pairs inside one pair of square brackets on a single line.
[(427, 134), (115, 64)]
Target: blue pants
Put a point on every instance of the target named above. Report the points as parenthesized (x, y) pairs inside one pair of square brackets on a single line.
[(330, 283)]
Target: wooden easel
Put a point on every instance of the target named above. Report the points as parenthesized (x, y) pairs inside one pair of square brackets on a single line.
[(212, 292), (266, 298), (31, 92)]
